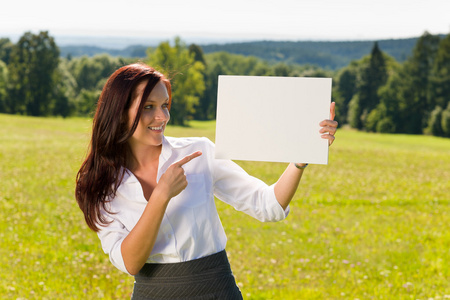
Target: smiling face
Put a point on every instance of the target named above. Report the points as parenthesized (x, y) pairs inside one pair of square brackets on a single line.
[(154, 116)]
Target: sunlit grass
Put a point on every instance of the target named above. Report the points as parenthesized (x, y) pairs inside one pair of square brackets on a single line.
[(373, 224)]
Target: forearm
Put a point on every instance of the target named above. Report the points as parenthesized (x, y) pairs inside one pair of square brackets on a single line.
[(138, 245), (287, 185)]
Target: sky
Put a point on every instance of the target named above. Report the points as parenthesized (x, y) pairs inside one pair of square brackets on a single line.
[(321, 20)]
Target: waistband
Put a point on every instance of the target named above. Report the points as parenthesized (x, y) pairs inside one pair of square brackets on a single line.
[(212, 264)]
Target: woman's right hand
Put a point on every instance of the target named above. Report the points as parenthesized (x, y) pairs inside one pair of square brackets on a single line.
[(173, 181)]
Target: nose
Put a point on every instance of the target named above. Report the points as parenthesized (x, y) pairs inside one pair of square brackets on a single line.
[(162, 114)]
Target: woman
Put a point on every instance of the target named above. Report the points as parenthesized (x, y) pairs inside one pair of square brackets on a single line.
[(150, 198)]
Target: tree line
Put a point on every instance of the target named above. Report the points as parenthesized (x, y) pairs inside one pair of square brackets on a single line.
[(375, 93), (379, 94), (325, 54)]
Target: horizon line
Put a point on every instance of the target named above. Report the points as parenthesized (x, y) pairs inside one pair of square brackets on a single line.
[(132, 40)]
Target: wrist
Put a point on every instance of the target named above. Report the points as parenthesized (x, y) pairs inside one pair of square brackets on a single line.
[(161, 194), (300, 166)]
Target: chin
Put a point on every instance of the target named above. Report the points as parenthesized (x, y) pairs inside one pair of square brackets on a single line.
[(157, 142)]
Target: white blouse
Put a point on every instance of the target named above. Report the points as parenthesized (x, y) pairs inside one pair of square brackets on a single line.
[(191, 227)]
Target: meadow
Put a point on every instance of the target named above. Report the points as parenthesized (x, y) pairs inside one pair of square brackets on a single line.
[(372, 224)]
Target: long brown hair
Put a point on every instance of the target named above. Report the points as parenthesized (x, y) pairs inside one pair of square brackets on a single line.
[(104, 167)]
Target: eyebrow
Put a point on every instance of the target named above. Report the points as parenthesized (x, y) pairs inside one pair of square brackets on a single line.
[(155, 101)]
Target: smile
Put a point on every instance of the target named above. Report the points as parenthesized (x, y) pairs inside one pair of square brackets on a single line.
[(156, 128)]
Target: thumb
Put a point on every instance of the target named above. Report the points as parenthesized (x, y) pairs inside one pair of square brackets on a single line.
[(332, 110)]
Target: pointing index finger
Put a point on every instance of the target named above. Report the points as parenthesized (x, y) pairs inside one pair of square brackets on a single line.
[(188, 158)]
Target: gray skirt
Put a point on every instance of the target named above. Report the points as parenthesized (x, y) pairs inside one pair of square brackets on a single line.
[(205, 278)]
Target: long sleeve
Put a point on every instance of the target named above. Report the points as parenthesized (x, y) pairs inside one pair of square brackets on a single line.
[(245, 193), (111, 238)]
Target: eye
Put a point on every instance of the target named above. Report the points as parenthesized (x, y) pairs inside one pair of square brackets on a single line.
[(150, 106), (165, 105)]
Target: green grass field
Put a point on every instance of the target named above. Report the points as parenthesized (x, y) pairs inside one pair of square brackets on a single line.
[(373, 224)]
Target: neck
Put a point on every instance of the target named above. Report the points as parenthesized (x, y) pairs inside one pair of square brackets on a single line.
[(143, 156)]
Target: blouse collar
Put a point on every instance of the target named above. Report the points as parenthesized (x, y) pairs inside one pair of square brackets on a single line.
[(169, 144)]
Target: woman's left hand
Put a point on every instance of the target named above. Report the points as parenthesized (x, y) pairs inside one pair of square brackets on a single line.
[(329, 126)]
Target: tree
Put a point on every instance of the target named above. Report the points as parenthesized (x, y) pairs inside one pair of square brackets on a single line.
[(86, 77), (440, 74), (178, 64), (234, 64), (445, 122), (108, 65), (261, 69), (344, 91), (354, 112), (281, 69), (202, 107), (32, 63), (386, 125), (5, 49), (3, 85), (420, 66), (418, 72), (64, 90), (394, 100), (405, 98), (208, 102), (197, 51), (435, 122), (372, 78), (86, 101), (87, 72)]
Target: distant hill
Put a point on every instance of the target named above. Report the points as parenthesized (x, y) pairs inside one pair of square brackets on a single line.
[(80, 50), (328, 55)]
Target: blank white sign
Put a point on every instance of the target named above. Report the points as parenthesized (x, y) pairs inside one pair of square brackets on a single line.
[(262, 118)]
